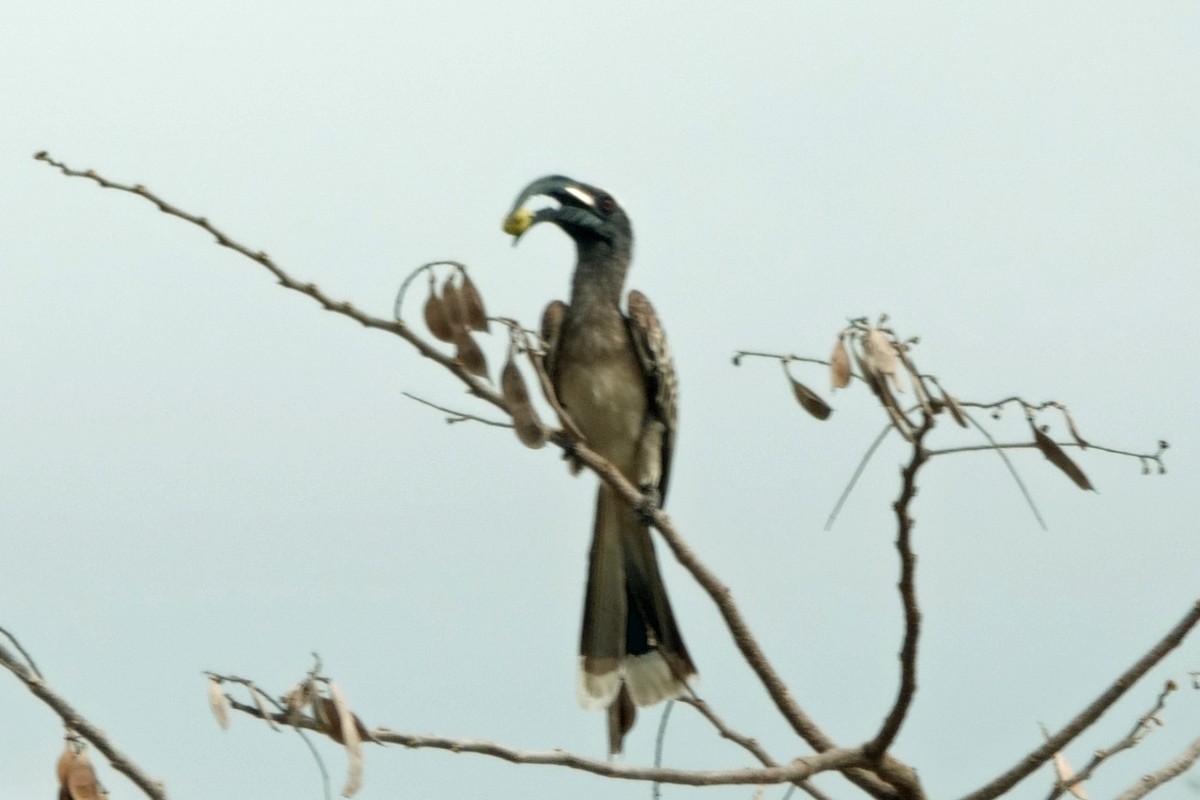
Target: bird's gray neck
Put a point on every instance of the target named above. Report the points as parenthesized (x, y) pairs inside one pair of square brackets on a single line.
[(599, 277)]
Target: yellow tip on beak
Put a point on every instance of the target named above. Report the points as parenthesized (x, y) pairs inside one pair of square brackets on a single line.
[(518, 222)]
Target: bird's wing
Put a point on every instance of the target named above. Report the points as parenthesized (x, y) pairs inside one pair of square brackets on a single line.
[(552, 320), (662, 387)]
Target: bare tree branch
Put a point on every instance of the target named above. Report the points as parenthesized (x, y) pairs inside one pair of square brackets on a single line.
[(76, 722), (1174, 769), (745, 742), (1089, 715), (833, 759), (1139, 731), (908, 594)]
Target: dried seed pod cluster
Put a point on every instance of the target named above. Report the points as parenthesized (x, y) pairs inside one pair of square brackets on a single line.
[(883, 360), (325, 702), (526, 423), (453, 313)]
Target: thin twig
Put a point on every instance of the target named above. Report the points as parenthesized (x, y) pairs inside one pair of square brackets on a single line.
[(659, 740), (1089, 715), (1140, 728), (457, 416), (745, 742), (1012, 470), (858, 471), (24, 653), (1176, 767), (77, 723)]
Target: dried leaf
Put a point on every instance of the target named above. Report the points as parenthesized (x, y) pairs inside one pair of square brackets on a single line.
[(1079, 440), (809, 399), (955, 410), (476, 316), (260, 702), (219, 703), (525, 419), (1065, 773), (919, 387), (453, 305), (297, 698), (881, 357), (435, 318), (839, 365), (349, 727), (80, 783), (1058, 458), (468, 353)]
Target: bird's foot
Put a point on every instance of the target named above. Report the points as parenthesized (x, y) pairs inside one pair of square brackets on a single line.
[(569, 456), (651, 502)]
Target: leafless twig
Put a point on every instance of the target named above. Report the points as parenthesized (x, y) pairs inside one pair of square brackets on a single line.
[(81, 726), (1176, 767), (1142, 727), (1089, 715)]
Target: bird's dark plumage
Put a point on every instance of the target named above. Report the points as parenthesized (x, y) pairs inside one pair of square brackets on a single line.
[(613, 375)]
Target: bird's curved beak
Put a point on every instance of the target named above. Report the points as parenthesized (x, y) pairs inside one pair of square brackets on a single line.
[(573, 204)]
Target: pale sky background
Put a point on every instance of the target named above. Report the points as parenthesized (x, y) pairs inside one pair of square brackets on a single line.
[(200, 470)]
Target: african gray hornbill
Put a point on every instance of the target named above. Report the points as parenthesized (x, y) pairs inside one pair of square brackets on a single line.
[(612, 373)]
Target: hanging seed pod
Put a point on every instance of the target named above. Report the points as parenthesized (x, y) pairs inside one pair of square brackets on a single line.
[(525, 420), (839, 365), (810, 400), (955, 410), (453, 305), (467, 352), (219, 703), (79, 778), (1058, 458), (476, 316), (436, 319)]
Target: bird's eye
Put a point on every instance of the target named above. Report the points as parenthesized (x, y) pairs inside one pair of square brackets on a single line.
[(607, 205)]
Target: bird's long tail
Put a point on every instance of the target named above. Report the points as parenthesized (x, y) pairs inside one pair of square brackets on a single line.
[(629, 633)]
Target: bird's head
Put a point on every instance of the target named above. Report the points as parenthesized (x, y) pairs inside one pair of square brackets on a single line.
[(588, 215)]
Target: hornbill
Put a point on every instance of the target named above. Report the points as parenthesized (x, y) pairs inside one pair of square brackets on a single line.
[(614, 377)]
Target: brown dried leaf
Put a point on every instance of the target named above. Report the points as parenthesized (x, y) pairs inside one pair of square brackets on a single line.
[(347, 723), (219, 703), (525, 419), (1058, 458), (809, 399), (468, 353), (476, 316), (452, 303), (260, 702), (839, 365), (435, 318), (955, 410), (80, 783)]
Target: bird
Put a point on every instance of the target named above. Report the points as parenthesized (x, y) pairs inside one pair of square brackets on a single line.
[(613, 376)]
